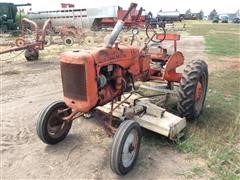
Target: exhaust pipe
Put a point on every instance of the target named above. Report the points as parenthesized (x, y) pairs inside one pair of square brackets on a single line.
[(119, 26)]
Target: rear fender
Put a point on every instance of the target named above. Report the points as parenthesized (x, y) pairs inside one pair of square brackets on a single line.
[(176, 60)]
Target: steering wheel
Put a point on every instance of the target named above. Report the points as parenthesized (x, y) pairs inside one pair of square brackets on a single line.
[(153, 29)]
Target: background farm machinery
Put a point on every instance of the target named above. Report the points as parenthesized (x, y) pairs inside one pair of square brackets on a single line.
[(71, 25), (134, 19), (31, 47), (105, 79), (8, 13)]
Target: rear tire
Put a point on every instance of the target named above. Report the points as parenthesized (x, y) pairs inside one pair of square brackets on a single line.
[(192, 89), (125, 147), (51, 129)]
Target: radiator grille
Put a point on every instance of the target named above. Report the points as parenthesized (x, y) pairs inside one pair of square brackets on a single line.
[(74, 81)]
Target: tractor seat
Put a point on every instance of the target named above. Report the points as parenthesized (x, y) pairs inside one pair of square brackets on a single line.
[(169, 37)]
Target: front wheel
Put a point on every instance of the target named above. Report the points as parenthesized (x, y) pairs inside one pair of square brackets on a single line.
[(125, 147), (51, 128), (193, 89)]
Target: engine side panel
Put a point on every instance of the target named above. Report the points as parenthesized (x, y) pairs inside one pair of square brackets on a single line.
[(125, 56)]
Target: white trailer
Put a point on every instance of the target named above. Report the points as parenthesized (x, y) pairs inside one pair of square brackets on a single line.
[(79, 18)]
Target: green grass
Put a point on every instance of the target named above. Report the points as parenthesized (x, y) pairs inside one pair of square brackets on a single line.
[(222, 44), (216, 134), (220, 39), (196, 171)]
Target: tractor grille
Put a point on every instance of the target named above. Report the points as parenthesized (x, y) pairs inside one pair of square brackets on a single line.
[(74, 81)]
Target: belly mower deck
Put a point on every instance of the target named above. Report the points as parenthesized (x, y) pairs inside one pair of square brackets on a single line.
[(148, 115)]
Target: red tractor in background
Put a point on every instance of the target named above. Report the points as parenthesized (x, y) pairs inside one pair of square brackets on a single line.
[(92, 80), (134, 19)]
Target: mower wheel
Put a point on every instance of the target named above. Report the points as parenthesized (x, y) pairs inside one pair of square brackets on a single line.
[(51, 128), (31, 54), (192, 89), (125, 147)]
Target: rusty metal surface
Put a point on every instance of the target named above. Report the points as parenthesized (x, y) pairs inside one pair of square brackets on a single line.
[(32, 23), (74, 81), (36, 44), (32, 45)]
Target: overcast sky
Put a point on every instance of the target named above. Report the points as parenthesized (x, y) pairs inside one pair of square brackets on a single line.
[(222, 6)]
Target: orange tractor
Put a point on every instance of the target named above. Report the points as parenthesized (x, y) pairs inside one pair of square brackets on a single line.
[(106, 77)]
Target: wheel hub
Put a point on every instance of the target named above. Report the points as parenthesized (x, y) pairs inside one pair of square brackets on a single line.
[(56, 125), (129, 149), (198, 92)]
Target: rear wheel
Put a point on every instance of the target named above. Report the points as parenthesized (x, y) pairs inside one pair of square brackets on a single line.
[(192, 89), (125, 147), (51, 128)]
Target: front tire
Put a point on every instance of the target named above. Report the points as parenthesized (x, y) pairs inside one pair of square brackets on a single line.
[(125, 147), (193, 89), (51, 128)]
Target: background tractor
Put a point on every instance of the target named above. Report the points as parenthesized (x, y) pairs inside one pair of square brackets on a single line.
[(8, 13)]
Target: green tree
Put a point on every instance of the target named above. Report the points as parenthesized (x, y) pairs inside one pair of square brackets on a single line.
[(212, 14), (201, 15), (238, 12), (188, 14)]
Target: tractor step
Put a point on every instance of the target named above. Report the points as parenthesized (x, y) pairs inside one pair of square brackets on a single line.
[(149, 116)]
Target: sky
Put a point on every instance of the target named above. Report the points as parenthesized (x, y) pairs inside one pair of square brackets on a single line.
[(222, 6)]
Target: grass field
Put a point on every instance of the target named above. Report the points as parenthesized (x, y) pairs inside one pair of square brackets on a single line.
[(221, 39), (216, 135)]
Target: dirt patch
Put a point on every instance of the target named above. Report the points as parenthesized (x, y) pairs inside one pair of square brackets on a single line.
[(223, 63), (9, 73), (84, 154)]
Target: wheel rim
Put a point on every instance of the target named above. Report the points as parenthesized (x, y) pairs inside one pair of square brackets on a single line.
[(56, 126), (68, 41), (20, 42), (200, 92), (130, 148)]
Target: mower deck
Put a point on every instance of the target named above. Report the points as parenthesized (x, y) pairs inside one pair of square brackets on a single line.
[(149, 116)]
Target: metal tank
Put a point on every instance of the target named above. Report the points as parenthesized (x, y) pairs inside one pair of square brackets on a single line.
[(80, 18)]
